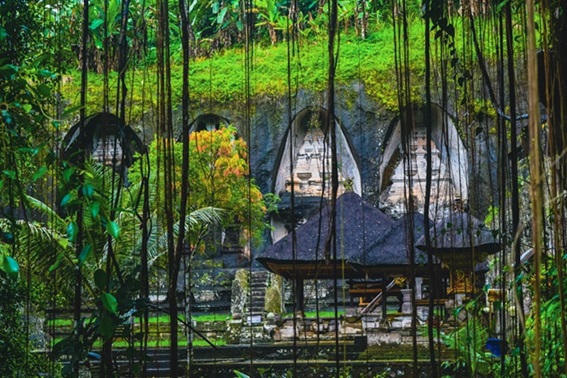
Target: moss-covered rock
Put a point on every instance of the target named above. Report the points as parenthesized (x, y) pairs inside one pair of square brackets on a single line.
[(273, 300), (240, 287)]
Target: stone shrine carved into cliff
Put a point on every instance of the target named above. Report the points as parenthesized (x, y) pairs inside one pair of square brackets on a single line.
[(312, 170), (310, 143), (403, 181)]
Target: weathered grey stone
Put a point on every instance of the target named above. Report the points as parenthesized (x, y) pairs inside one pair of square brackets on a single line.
[(287, 333), (239, 292), (321, 326), (205, 295), (406, 301), (406, 322), (273, 300), (381, 338), (233, 331)]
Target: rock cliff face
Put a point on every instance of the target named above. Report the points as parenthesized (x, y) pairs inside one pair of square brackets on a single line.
[(363, 121), (367, 128), (370, 131)]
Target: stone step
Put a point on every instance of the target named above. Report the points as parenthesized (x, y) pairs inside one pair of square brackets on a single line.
[(256, 297), (256, 309)]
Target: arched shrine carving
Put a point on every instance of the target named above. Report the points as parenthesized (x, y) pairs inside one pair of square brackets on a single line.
[(403, 167), (303, 167)]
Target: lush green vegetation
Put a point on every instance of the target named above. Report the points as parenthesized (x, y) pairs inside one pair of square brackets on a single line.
[(199, 318), (217, 74), (71, 231), (15, 346), (220, 78)]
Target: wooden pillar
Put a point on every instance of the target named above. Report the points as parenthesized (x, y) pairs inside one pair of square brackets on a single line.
[(384, 304), (299, 295)]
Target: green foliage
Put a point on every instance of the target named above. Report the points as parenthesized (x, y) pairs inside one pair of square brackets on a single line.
[(27, 77), (218, 178), (492, 215), (220, 78), (240, 374), (552, 362), (10, 268), (217, 36), (18, 360), (469, 343), (26, 82), (110, 320), (273, 300)]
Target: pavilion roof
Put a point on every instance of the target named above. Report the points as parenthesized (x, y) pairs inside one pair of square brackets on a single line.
[(460, 239), (359, 225), (391, 254)]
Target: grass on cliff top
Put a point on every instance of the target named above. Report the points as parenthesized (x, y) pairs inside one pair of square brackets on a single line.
[(221, 78)]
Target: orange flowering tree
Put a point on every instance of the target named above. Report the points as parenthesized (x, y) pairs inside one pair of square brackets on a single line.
[(219, 177)]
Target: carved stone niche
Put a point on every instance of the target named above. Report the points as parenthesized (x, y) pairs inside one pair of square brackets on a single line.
[(105, 138), (311, 166), (403, 175), (108, 150)]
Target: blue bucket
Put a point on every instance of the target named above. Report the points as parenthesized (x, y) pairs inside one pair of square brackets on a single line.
[(494, 346)]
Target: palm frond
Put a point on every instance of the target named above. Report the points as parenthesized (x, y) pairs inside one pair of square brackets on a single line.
[(205, 216), (46, 210), (43, 249), (197, 221)]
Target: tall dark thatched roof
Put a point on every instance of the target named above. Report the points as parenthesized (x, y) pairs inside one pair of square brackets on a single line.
[(461, 240), (391, 254), (359, 225)]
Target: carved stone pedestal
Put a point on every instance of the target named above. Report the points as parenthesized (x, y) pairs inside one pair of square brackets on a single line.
[(406, 301)]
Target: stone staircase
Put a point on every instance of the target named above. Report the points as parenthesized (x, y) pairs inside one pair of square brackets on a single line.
[(258, 285), (252, 327)]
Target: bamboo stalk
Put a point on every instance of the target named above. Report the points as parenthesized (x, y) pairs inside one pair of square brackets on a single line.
[(536, 184)]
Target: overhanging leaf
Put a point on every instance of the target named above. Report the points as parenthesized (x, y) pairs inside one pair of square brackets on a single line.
[(221, 15), (11, 267), (7, 237), (240, 374), (106, 327), (67, 174), (100, 278), (66, 199), (56, 264), (72, 230), (39, 173), (95, 209), (88, 190), (96, 23), (113, 229), (10, 174), (85, 253), (63, 242), (109, 302)]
